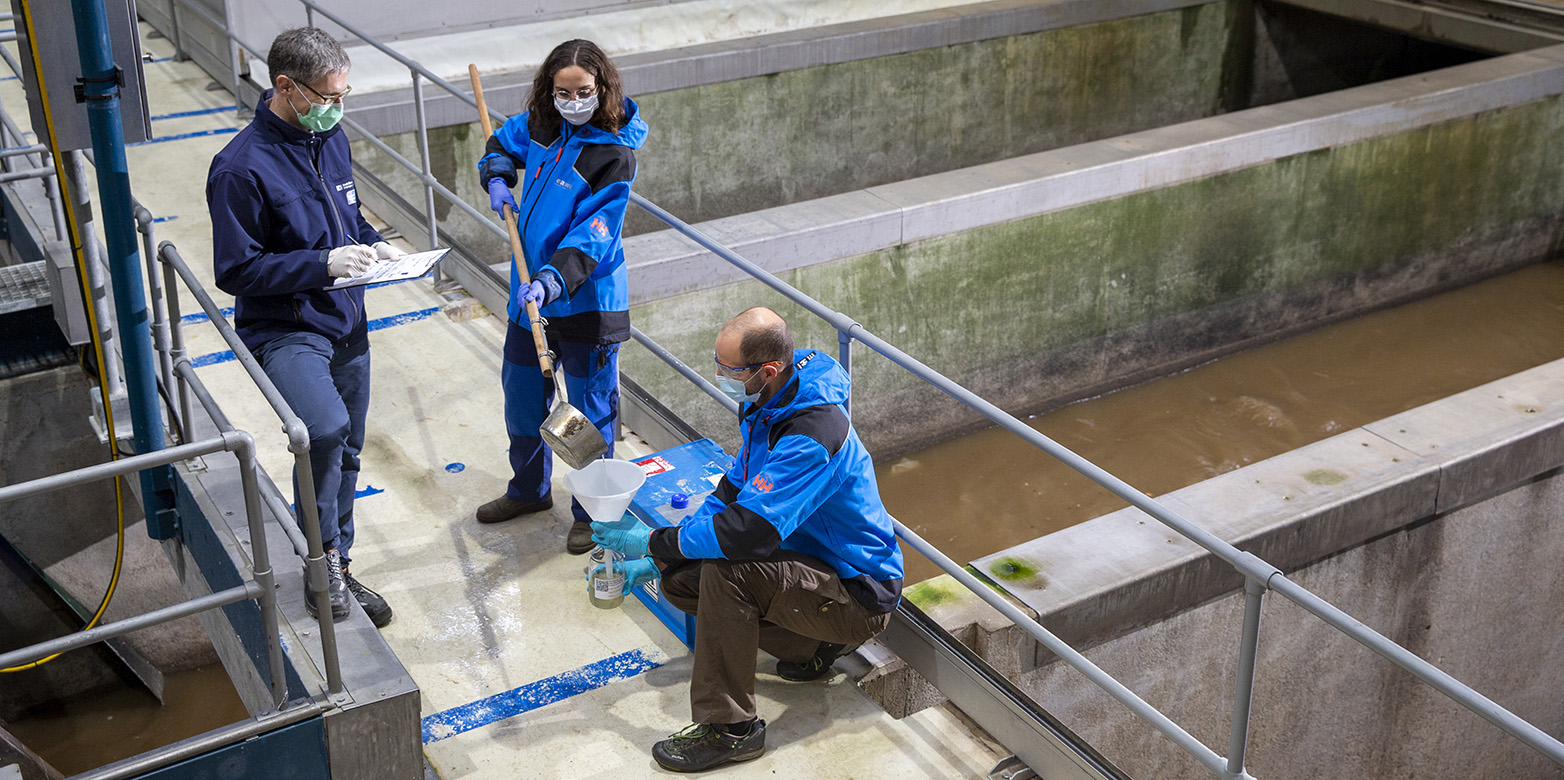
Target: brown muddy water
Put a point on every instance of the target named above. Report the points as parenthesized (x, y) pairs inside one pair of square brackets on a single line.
[(988, 491), (85, 734)]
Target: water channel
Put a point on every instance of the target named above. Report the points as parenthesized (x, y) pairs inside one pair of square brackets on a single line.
[(988, 491)]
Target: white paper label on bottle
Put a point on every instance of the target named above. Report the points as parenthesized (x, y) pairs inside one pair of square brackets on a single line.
[(608, 588)]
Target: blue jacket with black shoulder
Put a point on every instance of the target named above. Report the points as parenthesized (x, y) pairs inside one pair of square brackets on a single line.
[(802, 482), (575, 187)]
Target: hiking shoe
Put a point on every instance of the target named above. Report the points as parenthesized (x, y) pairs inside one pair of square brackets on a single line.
[(504, 508), (580, 538), (816, 667), (336, 589), (375, 607), (701, 747)]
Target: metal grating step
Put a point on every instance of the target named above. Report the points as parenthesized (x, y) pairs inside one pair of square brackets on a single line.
[(23, 287)]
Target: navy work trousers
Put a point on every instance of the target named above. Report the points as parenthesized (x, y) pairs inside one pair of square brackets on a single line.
[(591, 380), (327, 385)]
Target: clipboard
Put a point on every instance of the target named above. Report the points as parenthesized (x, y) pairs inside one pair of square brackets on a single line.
[(409, 266)]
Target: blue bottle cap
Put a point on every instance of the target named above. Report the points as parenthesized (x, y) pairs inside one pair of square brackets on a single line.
[(679, 501)]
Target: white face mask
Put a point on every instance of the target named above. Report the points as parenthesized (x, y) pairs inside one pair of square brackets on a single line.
[(577, 112), (734, 389)]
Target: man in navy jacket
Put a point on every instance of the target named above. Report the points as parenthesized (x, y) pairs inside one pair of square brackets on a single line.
[(793, 553), (285, 226)]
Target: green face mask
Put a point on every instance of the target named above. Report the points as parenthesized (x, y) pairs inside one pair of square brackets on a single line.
[(321, 116)]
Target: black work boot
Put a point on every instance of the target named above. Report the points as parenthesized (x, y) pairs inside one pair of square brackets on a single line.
[(504, 508), (375, 607), (701, 747), (336, 589), (579, 540), (816, 667)]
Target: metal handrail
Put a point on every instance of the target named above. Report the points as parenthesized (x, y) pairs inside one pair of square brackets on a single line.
[(1259, 575), (298, 444), (260, 587)]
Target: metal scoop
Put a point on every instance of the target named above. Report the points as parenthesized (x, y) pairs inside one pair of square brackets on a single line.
[(566, 430)]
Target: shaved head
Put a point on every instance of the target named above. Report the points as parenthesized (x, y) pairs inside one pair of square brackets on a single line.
[(760, 335)]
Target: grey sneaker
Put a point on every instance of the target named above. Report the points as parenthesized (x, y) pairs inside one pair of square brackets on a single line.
[(336, 589)]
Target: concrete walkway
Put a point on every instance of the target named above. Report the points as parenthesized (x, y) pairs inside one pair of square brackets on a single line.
[(520, 676)]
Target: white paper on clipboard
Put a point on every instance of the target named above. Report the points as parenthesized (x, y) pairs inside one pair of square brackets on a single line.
[(408, 266)]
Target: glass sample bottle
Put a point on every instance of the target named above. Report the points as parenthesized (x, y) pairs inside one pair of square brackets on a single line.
[(607, 581)]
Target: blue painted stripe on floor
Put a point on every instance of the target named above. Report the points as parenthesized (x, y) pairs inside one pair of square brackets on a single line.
[(367, 491), (380, 324), (196, 112), (500, 706), (200, 316), (183, 136), (212, 359), (402, 319), (164, 219)]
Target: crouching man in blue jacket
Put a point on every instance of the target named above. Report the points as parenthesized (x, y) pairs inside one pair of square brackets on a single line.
[(285, 226), (792, 554)]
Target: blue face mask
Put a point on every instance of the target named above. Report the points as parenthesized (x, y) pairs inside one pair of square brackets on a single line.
[(734, 389)]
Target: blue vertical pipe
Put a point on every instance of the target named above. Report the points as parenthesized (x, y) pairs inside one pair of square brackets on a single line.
[(119, 231)]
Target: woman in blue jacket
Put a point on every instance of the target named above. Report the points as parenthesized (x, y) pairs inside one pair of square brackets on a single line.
[(572, 155)]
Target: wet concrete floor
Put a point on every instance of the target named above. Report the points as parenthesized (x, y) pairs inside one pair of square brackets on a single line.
[(988, 491)]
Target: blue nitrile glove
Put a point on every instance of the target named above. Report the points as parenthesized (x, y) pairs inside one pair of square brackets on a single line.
[(637, 572), (629, 540), (499, 194), (531, 292)]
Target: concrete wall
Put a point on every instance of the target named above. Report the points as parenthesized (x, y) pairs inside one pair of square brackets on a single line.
[(735, 146), (1044, 309), (1435, 527)]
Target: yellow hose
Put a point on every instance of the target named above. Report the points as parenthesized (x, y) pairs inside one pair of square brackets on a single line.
[(97, 343)]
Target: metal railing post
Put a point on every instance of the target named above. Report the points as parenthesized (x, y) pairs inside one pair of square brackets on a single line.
[(261, 567), (159, 305), (1243, 691), (423, 154), (176, 346), (109, 373), (315, 563), (844, 352), (173, 20)]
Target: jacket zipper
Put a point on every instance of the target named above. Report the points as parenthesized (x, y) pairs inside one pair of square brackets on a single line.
[(342, 231), (538, 196)]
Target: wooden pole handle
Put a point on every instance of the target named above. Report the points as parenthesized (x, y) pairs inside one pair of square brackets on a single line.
[(538, 339)]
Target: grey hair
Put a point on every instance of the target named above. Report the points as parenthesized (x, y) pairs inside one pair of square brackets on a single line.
[(306, 54)]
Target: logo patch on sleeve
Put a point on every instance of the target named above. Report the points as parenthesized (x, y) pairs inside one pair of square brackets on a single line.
[(599, 227)]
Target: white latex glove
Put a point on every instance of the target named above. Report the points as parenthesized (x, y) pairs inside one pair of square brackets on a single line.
[(349, 261), (385, 251)]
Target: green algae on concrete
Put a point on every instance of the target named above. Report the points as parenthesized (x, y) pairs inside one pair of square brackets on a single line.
[(1012, 569), (1325, 477)]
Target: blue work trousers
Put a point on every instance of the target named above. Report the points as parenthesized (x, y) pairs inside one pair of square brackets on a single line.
[(327, 385), (591, 380)]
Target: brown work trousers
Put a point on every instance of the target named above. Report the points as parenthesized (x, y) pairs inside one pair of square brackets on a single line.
[(786, 605)]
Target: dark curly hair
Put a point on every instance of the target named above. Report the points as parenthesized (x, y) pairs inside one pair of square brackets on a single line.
[(610, 113)]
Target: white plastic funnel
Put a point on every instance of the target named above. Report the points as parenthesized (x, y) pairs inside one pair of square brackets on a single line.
[(605, 487)]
